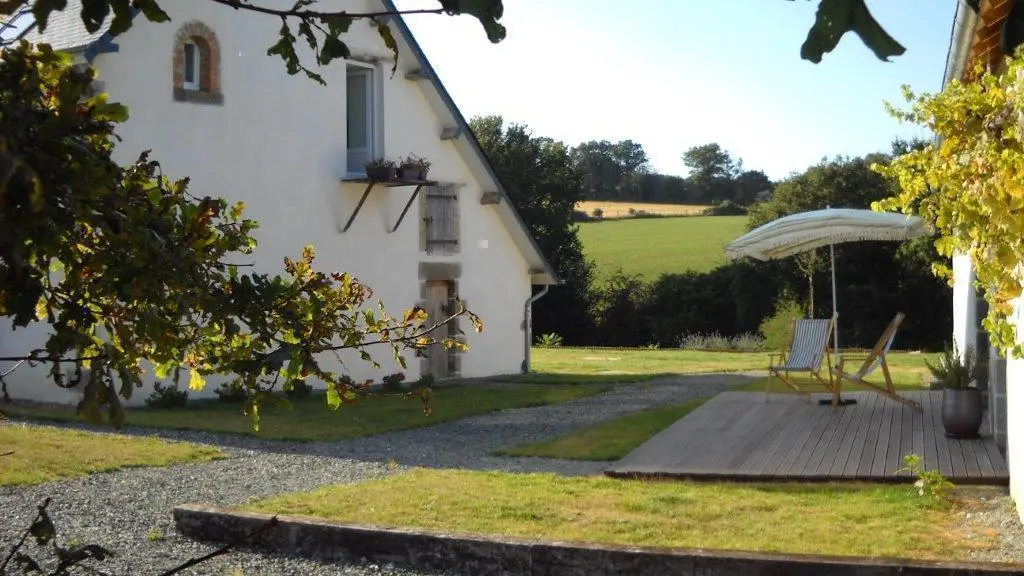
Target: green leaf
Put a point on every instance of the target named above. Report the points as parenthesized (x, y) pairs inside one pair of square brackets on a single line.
[(389, 40), (837, 17), (152, 11), (123, 15), (111, 112), (94, 12), (488, 12), (333, 398), (42, 10), (333, 48), (196, 381)]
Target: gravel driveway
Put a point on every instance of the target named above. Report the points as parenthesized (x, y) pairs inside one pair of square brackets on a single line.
[(129, 511)]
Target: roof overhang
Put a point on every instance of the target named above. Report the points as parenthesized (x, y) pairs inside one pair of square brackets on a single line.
[(541, 271), (977, 38)]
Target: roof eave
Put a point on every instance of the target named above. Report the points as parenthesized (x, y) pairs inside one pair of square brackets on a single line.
[(545, 275), (964, 24)]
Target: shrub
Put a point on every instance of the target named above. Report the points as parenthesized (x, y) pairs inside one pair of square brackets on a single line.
[(725, 208), (393, 382), (231, 393), (749, 342), (632, 211), (550, 340), (580, 216), (167, 397), (425, 381), (716, 342), (597, 213), (298, 389), (953, 372), (778, 327)]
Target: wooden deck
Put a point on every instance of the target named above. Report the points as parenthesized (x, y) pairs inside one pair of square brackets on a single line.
[(738, 436)]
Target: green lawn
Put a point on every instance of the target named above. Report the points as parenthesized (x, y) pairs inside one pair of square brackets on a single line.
[(311, 419), (624, 365), (610, 440), (654, 246), (798, 518), (43, 454), (638, 364)]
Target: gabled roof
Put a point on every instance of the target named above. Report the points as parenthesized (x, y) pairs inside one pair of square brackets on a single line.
[(65, 31)]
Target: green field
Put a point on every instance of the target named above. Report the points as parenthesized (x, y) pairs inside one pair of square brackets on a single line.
[(654, 246)]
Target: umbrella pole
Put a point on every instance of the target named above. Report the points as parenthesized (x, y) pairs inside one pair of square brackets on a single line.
[(835, 300), (835, 321)]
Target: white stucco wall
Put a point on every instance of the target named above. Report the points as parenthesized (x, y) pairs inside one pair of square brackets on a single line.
[(964, 308), (278, 144)]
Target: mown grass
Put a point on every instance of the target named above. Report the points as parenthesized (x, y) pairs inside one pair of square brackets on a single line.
[(609, 440), (655, 246), (908, 371), (886, 521), (42, 454), (639, 364), (562, 364), (310, 419)]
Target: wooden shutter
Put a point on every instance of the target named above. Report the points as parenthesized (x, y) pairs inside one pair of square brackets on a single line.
[(441, 220)]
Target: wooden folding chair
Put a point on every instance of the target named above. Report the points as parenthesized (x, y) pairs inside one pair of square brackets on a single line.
[(871, 362), (808, 345)]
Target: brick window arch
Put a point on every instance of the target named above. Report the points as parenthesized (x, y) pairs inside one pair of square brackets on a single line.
[(196, 64)]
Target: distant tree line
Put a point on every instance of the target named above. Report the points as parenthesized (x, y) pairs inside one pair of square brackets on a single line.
[(620, 171), (545, 179)]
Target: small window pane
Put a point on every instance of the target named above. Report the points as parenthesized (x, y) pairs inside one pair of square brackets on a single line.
[(358, 132), (190, 63)]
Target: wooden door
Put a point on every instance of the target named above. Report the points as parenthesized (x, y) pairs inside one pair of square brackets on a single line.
[(437, 301)]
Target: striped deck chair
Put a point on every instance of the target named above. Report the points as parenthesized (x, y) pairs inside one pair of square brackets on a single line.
[(870, 363), (808, 345)]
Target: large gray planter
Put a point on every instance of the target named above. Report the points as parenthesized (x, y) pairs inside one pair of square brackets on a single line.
[(962, 412)]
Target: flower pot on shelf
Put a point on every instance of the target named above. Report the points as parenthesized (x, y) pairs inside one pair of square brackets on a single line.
[(413, 174), (413, 168), (962, 412), (381, 173)]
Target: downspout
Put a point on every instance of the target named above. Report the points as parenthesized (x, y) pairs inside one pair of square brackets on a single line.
[(528, 323)]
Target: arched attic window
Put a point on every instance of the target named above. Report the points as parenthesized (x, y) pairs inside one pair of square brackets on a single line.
[(196, 65)]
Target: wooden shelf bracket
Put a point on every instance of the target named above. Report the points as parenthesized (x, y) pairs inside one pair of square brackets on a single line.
[(419, 184)]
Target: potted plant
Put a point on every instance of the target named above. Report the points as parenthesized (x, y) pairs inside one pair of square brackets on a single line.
[(414, 168), (381, 170), (962, 407)]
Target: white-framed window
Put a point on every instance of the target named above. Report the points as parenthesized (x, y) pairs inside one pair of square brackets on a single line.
[(360, 117), (192, 73)]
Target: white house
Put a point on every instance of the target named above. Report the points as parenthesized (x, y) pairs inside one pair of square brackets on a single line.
[(211, 104), (978, 38)]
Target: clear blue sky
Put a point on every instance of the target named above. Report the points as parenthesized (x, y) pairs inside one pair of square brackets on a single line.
[(672, 74)]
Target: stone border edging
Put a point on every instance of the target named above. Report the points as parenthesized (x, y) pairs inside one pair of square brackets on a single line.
[(484, 555)]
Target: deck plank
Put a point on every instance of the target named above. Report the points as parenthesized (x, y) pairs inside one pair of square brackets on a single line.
[(809, 425), (739, 435), (882, 441), (931, 451), (841, 442), (942, 444), (894, 454)]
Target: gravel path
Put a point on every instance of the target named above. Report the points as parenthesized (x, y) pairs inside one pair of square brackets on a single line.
[(129, 510)]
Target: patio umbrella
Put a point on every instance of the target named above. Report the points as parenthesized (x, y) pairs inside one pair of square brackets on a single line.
[(809, 230)]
